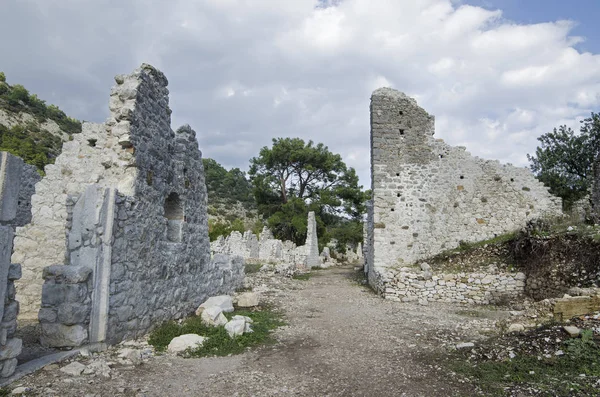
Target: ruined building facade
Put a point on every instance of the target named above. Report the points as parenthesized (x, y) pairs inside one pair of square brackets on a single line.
[(118, 241), (17, 181), (429, 196)]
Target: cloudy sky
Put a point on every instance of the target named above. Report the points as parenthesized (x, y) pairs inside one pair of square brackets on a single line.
[(495, 73)]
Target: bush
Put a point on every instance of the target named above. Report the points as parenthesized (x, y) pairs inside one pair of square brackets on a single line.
[(219, 343)]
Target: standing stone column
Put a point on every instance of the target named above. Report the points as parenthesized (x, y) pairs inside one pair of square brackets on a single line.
[(312, 243), (595, 196)]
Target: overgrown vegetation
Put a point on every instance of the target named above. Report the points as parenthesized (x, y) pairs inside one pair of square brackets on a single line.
[(294, 177), (301, 276), (250, 268), (219, 343), (227, 186), (17, 99), (574, 373), (36, 146), (564, 161)]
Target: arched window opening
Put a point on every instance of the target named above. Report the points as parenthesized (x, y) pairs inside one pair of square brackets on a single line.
[(175, 218)]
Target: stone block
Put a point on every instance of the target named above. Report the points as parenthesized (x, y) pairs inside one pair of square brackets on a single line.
[(67, 274), (60, 335), (47, 315), (73, 313), (8, 367), (11, 311), (56, 294), (11, 349), (14, 272), (10, 184), (567, 308)]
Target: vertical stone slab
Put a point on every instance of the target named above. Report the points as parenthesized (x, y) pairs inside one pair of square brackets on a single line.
[(312, 243), (595, 196), (6, 240), (10, 182), (101, 293)]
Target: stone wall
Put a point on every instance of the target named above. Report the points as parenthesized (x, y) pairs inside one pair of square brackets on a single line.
[(127, 200), (428, 196), (16, 182), (267, 249), (485, 286)]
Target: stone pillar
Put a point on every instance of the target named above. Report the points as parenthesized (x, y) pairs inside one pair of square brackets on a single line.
[(595, 196), (312, 243)]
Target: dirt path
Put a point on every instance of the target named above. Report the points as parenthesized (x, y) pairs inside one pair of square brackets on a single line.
[(341, 340)]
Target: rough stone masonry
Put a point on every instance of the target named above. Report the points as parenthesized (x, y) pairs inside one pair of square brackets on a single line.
[(16, 187), (119, 234), (428, 196)]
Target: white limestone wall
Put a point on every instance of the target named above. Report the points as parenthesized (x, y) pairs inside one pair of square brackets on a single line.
[(428, 196)]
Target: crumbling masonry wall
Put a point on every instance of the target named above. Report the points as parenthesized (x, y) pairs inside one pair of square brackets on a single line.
[(428, 196), (16, 186), (122, 217)]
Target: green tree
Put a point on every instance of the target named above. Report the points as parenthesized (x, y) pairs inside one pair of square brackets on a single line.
[(227, 186), (564, 161), (2, 77), (293, 177)]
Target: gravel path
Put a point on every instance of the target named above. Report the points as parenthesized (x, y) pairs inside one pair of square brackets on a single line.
[(341, 340)]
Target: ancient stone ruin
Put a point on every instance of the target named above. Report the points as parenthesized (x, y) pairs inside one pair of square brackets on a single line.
[(429, 196), (267, 249), (16, 187), (118, 241)]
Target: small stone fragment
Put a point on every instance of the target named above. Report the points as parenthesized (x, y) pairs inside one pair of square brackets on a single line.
[(225, 302), (184, 342), (516, 328), (572, 331), (74, 369), (235, 327), (213, 316), (465, 345), (247, 299)]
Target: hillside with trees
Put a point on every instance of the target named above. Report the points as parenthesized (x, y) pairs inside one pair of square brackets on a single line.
[(31, 129), (292, 178), (564, 160)]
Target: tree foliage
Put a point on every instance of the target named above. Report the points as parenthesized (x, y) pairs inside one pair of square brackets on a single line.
[(17, 99), (227, 186), (33, 146), (565, 158), (293, 177)]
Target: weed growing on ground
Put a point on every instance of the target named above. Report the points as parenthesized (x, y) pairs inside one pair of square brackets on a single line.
[(317, 268), (250, 268), (301, 276), (574, 373), (219, 343)]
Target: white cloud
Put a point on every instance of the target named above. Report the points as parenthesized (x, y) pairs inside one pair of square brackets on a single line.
[(242, 72)]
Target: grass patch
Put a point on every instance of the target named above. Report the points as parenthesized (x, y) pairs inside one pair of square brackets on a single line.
[(556, 376), (250, 268), (317, 268), (301, 276), (219, 343)]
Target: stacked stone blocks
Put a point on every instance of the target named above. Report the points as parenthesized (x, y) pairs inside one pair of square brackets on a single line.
[(128, 214), (17, 181), (429, 196)]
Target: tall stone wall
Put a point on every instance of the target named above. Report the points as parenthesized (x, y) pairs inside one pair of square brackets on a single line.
[(428, 196), (127, 200), (16, 182)]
